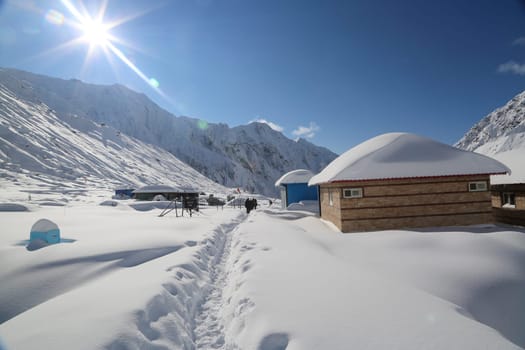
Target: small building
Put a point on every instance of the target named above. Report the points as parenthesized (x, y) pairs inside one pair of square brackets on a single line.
[(508, 191), (46, 231), (294, 187), (188, 196), (401, 180), (156, 192)]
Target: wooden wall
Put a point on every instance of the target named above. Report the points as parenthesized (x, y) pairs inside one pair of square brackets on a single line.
[(407, 203), (517, 189), (512, 216), (331, 213), (509, 216)]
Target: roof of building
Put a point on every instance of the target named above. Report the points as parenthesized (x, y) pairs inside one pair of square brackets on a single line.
[(404, 155), (295, 177), (158, 189)]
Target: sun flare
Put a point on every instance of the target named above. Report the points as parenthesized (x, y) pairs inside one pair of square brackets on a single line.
[(95, 33)]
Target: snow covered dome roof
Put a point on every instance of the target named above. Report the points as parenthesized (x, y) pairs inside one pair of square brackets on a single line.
[(156, 189), (298, 176), (404, 155), (44, 225)]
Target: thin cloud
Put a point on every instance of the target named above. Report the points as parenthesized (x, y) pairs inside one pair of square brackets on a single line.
[(520, 41), (512, 67), (269, 123), (306, 131)]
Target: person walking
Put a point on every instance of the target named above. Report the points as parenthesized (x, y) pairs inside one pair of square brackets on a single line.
[(249, 205)]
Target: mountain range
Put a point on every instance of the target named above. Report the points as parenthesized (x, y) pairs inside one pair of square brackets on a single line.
[(251, 156), (53, 130), (43, 154)]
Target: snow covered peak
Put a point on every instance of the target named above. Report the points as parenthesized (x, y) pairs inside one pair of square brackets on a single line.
[(404, 155), (501, 135), (500, 131)]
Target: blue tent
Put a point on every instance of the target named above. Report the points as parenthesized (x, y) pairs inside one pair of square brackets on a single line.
[(46, 231), (294, 187)]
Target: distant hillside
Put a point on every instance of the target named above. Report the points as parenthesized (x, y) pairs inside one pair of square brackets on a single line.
[(501, 135), (500, 131), (63, 155), (250, 156)]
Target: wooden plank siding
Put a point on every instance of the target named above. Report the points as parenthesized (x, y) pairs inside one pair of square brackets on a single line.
[(329, 212), (415, 222), (416, 210), (509, 216), (408, 203), (517, 189), (512, 216)]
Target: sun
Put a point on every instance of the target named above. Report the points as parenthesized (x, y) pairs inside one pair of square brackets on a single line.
[(95, 32)]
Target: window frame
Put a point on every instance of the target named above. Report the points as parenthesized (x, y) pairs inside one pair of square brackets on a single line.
[(476, 184), (511, 196), (351, 189)]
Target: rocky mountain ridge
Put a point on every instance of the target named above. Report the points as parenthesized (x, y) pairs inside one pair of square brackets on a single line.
[(501, 130), (250, 156)]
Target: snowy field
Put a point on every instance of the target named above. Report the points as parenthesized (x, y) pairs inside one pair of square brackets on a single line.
[(127, 279)]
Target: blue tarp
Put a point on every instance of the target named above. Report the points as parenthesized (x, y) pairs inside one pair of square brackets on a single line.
[(299, 192)]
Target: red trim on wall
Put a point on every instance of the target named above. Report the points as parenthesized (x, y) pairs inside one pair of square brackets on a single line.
[(411, 178)]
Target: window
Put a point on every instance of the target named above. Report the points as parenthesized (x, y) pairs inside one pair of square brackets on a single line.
[(508, 200), (330, 198), (352, 192), (477, 186)]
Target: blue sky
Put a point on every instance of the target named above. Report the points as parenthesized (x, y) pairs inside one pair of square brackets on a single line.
[(334, 72)]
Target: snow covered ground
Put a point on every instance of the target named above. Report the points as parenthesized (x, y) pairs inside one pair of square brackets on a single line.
[(270, 280)]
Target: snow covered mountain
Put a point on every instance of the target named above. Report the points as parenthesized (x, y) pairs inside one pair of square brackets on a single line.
[(250, 156), (42, 153), (500, 131), (501, 135)]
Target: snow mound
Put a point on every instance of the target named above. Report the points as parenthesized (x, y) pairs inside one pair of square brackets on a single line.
[(159, 198), (404, 155), (13, 207), (109, 203), (147, 206), (311, 206), (51, 204)]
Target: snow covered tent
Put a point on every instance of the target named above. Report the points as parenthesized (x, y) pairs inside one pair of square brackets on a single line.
[(402, 180), (45, 230), (294, 187)]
